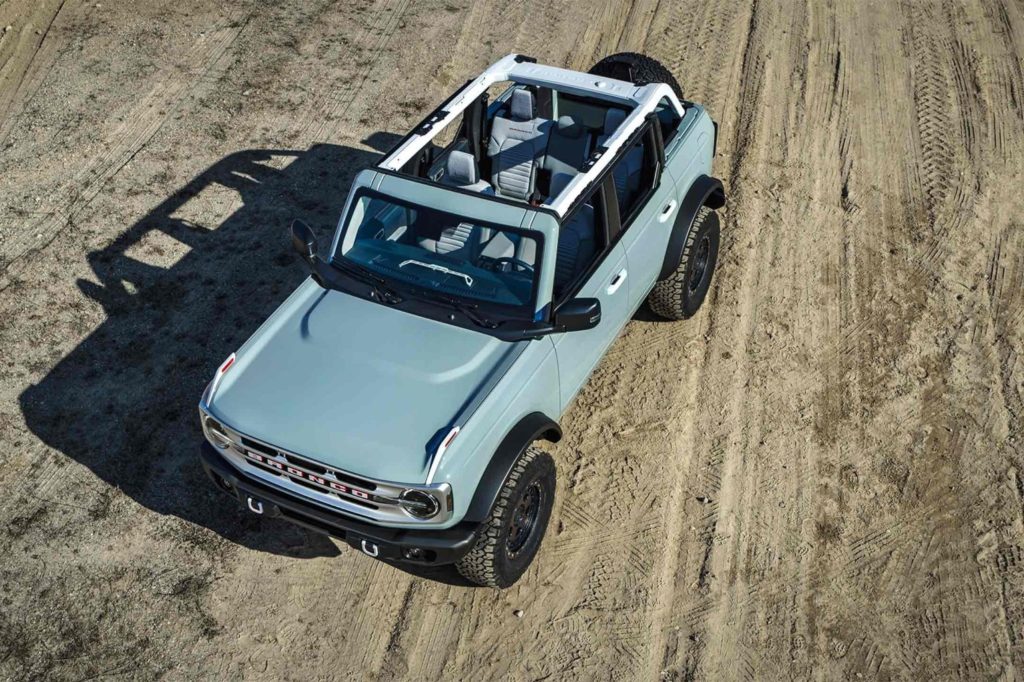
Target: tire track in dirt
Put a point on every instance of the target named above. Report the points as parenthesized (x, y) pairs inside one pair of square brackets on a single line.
[(709, 469), (336, 111), (21, 72), (931, 102), (158, 105), (862, 328)]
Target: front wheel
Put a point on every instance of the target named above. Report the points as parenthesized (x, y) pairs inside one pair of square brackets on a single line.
[(512, 534), (681, 294)]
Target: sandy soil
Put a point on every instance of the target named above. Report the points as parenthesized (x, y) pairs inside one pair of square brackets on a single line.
[(820, 476)]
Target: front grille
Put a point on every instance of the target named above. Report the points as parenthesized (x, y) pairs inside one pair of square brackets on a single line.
[(376, 500), (307, 464), (354, 500), (298, 480), (259, 447)]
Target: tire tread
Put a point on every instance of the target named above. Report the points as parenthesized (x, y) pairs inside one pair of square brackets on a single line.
[(480, 565), (668, 297)]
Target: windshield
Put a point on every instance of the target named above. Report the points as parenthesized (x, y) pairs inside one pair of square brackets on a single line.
[(440, 251)]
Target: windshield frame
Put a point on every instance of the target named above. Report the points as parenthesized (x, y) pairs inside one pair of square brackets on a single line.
[(525, 311)]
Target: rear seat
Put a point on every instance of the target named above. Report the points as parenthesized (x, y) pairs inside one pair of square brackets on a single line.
[(517, 144), (567, 150), (628, 170)]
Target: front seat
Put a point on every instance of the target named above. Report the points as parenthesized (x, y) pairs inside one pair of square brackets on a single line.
[(517, 143), (462, 240), (461, 170)]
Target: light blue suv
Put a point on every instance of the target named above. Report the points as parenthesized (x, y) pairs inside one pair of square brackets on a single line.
[(477, 276)]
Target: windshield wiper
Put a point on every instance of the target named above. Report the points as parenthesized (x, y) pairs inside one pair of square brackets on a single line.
[(470, 310), (438, 268), (379, 288)]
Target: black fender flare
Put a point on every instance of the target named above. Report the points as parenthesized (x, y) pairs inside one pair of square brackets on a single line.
[(534, 426), (705, 191)]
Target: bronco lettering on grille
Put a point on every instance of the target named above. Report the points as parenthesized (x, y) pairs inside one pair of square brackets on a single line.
[(306, 476)]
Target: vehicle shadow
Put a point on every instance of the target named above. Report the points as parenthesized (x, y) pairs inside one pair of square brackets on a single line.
[(123, 402), (446, 574)]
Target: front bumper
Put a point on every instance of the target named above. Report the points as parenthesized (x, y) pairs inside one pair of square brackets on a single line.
[(434, 547)]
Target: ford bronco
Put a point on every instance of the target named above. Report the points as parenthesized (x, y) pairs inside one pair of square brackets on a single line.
[(476, 277)]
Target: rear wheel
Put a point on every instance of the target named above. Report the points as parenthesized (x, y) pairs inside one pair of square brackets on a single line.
[(681, 294), (634, 67), (512, 534)]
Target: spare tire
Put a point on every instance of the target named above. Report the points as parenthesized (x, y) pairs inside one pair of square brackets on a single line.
[(634, 67)]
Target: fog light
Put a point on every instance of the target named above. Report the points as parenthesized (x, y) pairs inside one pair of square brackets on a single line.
[(413, 553), (222, 483), (419, 504)]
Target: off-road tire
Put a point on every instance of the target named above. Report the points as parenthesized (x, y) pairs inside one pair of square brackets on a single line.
[(489, 562), (634, 67), (676, 297)]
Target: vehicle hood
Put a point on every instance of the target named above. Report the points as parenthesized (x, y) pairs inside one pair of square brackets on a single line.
[(354, 384)]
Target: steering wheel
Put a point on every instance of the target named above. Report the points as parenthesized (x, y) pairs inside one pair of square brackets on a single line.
[(510, 264)]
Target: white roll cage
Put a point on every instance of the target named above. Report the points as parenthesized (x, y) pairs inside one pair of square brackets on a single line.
[(643, 98)]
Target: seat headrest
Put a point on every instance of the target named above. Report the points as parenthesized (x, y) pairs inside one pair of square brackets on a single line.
[(568, 127), (461, 169), (521, 106), (613, 118)]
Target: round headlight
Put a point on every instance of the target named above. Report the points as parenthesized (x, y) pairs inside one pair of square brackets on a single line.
[(220, 437), (419, 504)]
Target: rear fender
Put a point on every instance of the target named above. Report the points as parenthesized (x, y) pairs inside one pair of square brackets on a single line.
[(705, 191)]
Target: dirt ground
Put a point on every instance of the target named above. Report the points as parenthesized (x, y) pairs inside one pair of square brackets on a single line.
[(819, 476)]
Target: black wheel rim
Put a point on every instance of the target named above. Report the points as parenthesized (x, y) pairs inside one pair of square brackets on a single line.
[(700, 264), (524, 518)]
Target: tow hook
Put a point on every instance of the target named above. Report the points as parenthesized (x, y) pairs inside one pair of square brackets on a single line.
[(255, 506), (370, 549)]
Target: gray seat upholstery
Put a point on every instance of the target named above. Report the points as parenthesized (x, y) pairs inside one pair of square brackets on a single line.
[(567, 149), (509, 245), (516, 146), (461, 240), (457, 241), (461, 170), (629, 169), (613, 118)]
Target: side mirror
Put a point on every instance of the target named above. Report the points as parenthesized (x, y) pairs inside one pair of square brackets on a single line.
[(304, 241), (578, 314)]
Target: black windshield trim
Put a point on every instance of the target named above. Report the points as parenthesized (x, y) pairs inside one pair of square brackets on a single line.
[(526, 310)]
